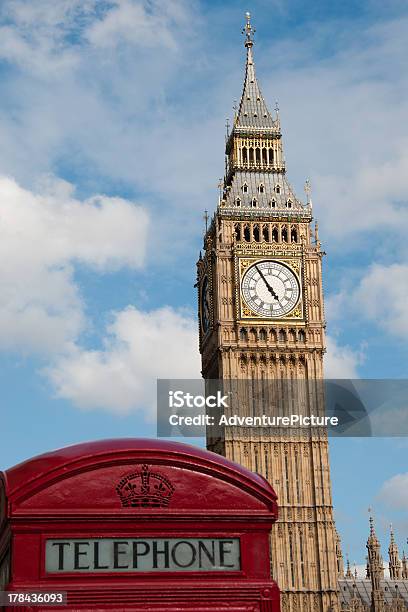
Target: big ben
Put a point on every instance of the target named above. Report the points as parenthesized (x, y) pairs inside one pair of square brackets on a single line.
[(261, 316)]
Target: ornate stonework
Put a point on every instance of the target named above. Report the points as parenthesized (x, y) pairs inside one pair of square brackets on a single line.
[(272, 328), (259, 219)]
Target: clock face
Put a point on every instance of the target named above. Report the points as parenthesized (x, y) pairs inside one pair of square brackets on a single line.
[(205, 305), (270, 289)]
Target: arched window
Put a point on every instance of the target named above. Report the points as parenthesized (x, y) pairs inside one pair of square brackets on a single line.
[(238, 202), (262, 335), (243, 334), (261, 188), (237, 228), (284, 234), (265, 233), (275, 234), (254, 202), (253, 335), (247, 234), (251, 155), (282, 335), (258, 154), (257, 237), (302, 335), (292, 335), (245, 188), (271, 156), (244, 155), (272, 204), (293, 235), (289, 204), (264, 156), (277, 188)]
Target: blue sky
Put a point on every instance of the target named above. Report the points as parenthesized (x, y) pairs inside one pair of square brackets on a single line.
[(112, 120)]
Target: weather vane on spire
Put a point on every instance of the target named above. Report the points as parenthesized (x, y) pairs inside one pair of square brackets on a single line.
[(249, 31)]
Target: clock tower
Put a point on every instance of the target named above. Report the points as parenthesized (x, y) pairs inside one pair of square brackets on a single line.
[(261, 318)]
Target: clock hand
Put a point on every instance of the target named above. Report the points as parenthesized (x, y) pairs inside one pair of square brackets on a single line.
[(270, 289)]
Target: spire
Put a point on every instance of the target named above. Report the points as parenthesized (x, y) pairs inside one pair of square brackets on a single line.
[(404, 563), (375, 567), (348, 572), (339, 554), (252, 111), (372, 539), (393, 555), (255, 175)]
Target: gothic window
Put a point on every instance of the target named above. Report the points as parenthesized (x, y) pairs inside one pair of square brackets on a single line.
[(271, 159), (243, 334), (264, 156), (287, 477), (262, 335), (302, 557), (297, 476), (293, 235), (257, 236), (272, 204), (292, 335), (244, 155), (253, 335), (277, 188), (275, 234), (282, 335), (247, 233), (289, 204), (238, 202), (251, 155), (302, 335), (284, 234), (245, 188), (261, 188), (258, 154), (265, 233), (237, 228), (254, 202), (292, 560)]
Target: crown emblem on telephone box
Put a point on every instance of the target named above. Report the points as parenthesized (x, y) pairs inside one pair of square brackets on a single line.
[(145, 489)]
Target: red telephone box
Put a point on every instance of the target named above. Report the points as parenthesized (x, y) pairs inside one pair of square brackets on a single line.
[(137, 524)]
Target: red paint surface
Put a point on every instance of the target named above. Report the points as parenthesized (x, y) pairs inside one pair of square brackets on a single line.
[(71, 493)]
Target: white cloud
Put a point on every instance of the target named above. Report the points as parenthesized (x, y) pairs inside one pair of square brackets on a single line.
[(348, 132), (34, 35), (340, 361), (139, 348), (139, 24), (383, 297), (394, 492), (42, 235), (379, 296)]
